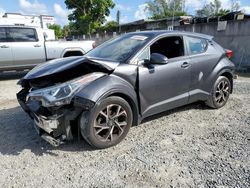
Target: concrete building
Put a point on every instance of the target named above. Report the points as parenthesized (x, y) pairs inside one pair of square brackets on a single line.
[(42, 21)]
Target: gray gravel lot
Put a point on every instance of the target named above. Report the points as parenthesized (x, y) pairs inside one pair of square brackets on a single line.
[(192, 146)]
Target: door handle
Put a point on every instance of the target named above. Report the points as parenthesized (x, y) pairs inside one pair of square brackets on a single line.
[(4, 46), (185, 65), (37, 45)]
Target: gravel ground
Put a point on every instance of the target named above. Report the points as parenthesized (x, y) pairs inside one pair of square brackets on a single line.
[(192, 146)]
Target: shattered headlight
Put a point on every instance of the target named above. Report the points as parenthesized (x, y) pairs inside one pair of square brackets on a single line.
[(62, 94)]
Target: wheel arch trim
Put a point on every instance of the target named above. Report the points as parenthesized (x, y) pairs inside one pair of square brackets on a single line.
[(228, 74), (131, 100), (72, 50)]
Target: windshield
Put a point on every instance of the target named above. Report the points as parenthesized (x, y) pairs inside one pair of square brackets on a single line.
[(120, 49)]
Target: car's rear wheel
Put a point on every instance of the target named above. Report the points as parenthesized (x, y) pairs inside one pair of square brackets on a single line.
[(108, 123), (220, 93)]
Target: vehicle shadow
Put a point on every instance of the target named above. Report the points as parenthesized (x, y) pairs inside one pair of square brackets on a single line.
[(17, 134)]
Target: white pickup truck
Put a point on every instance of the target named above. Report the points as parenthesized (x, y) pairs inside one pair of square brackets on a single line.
[(24, 47)]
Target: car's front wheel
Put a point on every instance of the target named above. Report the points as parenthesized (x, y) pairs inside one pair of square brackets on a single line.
[(220, 93), (108, 123)]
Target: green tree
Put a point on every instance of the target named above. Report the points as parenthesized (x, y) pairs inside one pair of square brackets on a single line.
[(213, 8), (66, 31), (110, 26), (165, 8), (88, 15), (73, 29), (235, 5), (57, 29)]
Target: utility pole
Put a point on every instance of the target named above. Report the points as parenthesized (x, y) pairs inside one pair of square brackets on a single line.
[(118, 16), (173, 14), (183, 5)]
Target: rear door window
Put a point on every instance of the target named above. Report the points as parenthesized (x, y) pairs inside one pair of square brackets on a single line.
[(3, 36), (22, 34), (196, 45)]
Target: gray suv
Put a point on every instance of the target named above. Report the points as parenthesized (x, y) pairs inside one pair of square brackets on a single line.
[(118, 84)]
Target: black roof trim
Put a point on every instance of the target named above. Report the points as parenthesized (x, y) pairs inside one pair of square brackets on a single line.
[(162, 32)]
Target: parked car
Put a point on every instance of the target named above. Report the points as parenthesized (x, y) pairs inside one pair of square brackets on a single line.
[(24, 47), (121, 82)]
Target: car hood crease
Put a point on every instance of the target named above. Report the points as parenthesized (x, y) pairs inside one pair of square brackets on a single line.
[(63, 65)]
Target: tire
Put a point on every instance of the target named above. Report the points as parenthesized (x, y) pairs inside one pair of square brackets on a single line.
[(220, 93), (107, 124)]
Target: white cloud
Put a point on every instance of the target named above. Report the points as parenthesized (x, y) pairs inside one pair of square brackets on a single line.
[(62, 13), (194, 4), (2, 11), (198, 4), (246, 9), (122, 7), (33, 7), (124, 19), (142, 12), (125, 12), (109, 18), (226, 4)]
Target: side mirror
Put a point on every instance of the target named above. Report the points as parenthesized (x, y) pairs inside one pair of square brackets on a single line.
[(158, 59)]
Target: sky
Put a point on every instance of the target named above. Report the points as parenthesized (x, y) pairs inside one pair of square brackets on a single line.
[(131, 10)]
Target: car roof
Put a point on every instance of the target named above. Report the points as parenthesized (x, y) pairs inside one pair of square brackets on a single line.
[(166, 32)]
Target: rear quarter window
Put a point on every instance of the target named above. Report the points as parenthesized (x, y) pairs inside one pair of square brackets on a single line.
[(196, 45), (22, 34)]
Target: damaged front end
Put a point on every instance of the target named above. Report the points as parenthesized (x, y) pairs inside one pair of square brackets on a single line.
[(53, 104)]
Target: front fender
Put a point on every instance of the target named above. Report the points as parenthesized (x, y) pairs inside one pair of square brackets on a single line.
[(111, 85), (107, 86)]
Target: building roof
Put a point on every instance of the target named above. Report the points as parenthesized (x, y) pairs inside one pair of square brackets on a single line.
[(176, 18), (19, 14)]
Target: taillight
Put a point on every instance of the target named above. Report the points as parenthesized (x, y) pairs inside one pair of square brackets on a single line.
[(229, 53), (94, 45)]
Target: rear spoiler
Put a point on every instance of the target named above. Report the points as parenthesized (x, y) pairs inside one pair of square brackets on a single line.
[(208, 37)]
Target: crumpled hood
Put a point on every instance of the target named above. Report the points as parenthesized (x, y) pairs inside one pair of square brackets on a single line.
[(59, 66)]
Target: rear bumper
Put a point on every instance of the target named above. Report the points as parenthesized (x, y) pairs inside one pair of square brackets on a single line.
[(53, 124)]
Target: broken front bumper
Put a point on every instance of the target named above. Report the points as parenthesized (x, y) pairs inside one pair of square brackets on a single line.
[(54, 124)]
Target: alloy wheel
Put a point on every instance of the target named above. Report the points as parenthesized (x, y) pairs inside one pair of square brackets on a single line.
[(222, 92), (110, 123)]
